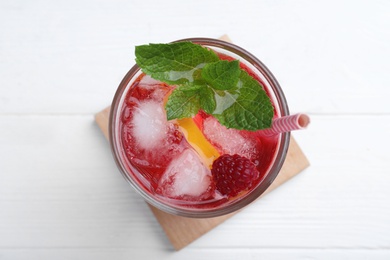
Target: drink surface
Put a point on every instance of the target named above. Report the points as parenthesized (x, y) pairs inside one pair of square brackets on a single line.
[(172, 160)]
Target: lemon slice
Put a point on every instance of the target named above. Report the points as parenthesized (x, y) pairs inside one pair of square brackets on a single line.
[(198, 141)]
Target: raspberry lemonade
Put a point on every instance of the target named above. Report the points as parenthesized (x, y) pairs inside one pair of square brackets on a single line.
[(186, 122)]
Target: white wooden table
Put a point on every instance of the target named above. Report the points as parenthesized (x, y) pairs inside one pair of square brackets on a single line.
[(61, 195)]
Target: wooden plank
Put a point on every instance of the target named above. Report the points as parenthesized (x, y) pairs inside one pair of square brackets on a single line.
[(182, 231), (226, 253)]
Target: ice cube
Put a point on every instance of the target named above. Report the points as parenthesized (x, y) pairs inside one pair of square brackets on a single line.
[(157, 90), (229, 141), (149, 124), (186, 176), (147, 82)]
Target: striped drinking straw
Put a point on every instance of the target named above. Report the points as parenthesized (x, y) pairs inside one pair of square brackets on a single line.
[(286, 124)]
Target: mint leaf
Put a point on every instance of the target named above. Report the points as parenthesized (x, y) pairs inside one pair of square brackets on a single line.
[(173, 63), (222, 75), (207, 99), (183, 102), (247, 106)]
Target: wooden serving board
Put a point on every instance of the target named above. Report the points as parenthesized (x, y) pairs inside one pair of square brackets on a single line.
[(182, 231)]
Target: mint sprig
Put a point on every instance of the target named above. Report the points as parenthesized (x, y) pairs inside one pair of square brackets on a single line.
[(203, 81)]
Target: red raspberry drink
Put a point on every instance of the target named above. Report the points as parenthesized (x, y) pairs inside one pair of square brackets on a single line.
[(194, 167)]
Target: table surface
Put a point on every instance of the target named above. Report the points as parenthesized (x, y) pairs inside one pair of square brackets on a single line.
[(61, 195)]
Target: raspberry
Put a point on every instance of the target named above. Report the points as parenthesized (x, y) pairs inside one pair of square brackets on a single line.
[(233, 173)]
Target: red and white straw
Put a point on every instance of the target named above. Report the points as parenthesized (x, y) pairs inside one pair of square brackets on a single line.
[(286, 124)]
